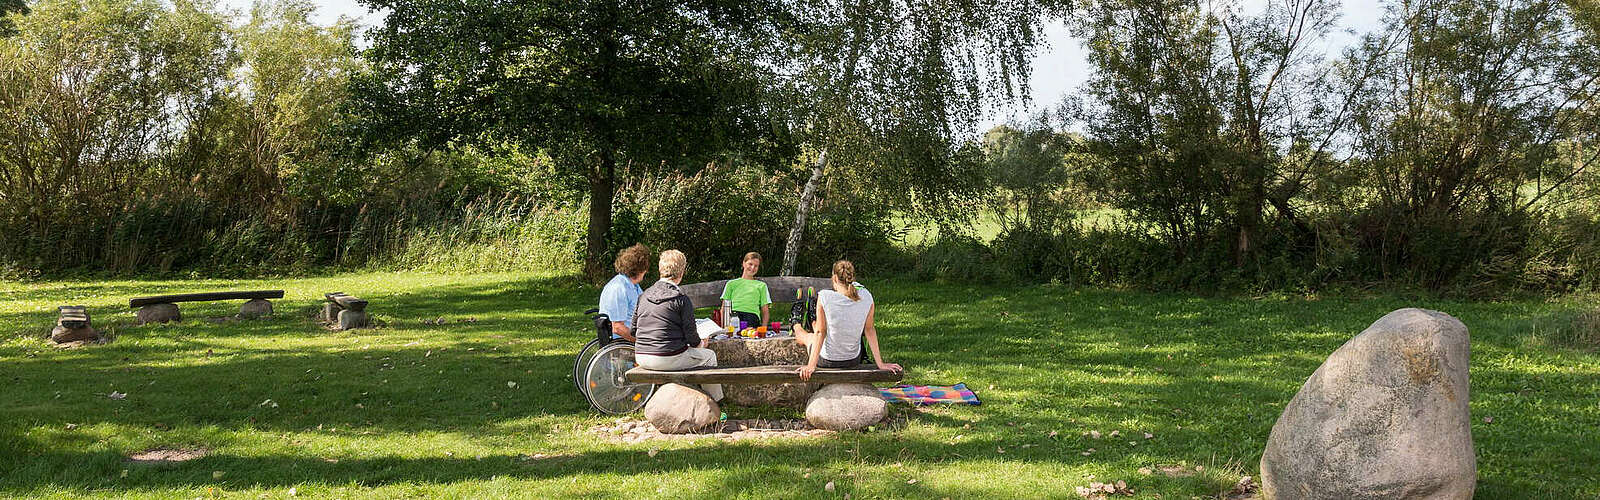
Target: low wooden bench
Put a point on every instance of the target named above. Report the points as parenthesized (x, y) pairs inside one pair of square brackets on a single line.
[(72, 316), (345, 311), (72, 324), (775, 374), (164, 308)]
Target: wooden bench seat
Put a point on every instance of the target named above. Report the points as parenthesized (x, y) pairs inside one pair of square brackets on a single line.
[(347, 301), (202, 297), (72, 317), (774, 374)]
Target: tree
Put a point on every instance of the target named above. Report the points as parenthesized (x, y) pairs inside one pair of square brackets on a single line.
[(294, 78), (1195, 107), (662, 85), (1030, 174), (1468, 126), (881, 92), (88, 90)]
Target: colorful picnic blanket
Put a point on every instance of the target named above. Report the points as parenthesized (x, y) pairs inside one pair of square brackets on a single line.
[(929, 394)]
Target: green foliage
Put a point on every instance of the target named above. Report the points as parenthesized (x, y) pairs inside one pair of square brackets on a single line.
[(959, 258), (717, 215), (714, 217), (1031, 171), (7, 9)]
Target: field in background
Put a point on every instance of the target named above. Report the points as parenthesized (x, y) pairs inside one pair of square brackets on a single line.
[(482, 406)]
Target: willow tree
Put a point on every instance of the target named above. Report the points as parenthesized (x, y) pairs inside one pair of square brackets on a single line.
[(595, 83), (882, 92)]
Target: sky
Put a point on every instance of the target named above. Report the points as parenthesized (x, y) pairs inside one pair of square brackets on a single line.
[(1058, 69)]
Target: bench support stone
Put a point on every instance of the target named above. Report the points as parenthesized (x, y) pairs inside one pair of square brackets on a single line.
[(255, 308), (330, 312), (344, 311), (679, 409), (158, 313), (846, 407), (349, 319)]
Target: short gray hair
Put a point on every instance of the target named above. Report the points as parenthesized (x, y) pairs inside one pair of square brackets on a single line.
[(673, 264)]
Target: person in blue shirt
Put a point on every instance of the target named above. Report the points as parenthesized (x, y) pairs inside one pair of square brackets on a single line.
[(621, 295)]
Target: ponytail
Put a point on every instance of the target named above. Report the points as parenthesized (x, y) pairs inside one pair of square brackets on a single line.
[(844, 273)]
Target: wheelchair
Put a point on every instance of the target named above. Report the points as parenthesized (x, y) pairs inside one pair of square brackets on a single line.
[(598, 371)]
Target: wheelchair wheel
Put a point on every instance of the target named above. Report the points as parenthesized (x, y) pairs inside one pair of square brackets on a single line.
[(604, 384), (580, 366)]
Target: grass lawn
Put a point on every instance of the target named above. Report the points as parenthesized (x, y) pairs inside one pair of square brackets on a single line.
[(421, 410)]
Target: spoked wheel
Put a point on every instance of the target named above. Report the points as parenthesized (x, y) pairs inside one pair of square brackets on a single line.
[(580, 366), (605, 387)]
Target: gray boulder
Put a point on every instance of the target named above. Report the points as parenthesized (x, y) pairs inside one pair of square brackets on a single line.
[(255, 308), (846, 407), (158, 313), (1384, 417), (679, 409)]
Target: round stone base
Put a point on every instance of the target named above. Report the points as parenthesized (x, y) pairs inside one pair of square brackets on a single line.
[(679, 409), (158, 313), (255, 308)]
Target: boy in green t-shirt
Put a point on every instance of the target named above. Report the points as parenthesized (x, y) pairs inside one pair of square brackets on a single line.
[(746, 294)]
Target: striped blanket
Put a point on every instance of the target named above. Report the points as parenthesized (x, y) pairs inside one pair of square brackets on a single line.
[(929, 394)]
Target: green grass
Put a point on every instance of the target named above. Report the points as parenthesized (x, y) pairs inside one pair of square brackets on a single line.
[(414, 410)]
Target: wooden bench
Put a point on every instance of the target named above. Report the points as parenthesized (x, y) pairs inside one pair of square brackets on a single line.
[(345, 311), (72, 316), (164, 308), (775, 374), (781, 288)]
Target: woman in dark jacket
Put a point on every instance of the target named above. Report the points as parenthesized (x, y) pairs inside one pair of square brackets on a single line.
[(664, 324)]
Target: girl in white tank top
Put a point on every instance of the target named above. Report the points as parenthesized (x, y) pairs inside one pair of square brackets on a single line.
[(844, 315)]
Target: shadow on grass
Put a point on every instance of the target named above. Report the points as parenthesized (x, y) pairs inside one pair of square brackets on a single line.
[(745, 468)]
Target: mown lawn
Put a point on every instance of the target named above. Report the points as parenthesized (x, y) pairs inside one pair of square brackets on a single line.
[(420, 410)]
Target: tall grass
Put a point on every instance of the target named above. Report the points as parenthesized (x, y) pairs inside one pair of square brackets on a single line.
[(489, 235), (482, 233)]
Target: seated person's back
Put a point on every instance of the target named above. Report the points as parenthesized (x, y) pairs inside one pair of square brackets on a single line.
[(846, 320)]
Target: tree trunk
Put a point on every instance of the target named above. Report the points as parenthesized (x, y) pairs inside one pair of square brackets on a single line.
[(791, 248), (601, 184)]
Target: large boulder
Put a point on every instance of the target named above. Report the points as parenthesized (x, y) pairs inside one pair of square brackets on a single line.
[(158, 313), (846, 407), (1385, 417), (734, 353), (679, 409)]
